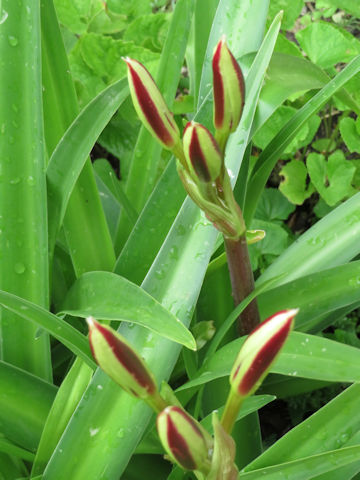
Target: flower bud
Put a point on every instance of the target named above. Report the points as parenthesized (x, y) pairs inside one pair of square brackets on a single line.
[(150, 105), (184, 439), (229, 89), (118, 360), (201, 152), (259, 351)]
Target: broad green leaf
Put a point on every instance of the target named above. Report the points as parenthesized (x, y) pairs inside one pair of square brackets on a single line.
[(273, 206), (327, 44), (306, 468), (273, 151), (283, 45), (96, 62), (275, 242), (69, 157), (25, 402), (177, 289), (149, 31), (294, 184), (130, 8), (350, 134), (58, 328), (350, 6), (332, 177), (291, 8), (315, 294), (108, 296), (303, 355), (331, 427), (76, 15), (23, 243)]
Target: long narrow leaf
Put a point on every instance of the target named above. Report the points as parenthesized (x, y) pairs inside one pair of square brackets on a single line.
[(69, 156), (23, 240), (58, 328)]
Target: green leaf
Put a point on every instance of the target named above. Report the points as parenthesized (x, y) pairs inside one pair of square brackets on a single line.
[(291, 8), (149, 31), (13, 450), (326, 44), (277, 120), (273, 151), (65, 333), (275, 242), (25, 402), (294, 184), (129, 7), (350, 6), (350, 134), (331, 178), (331, 241), (331, 427), (23, 243), (69, 157), (306, 468), (76, 15), (108, 296), (283, 45), (303, 355), (315, 294)]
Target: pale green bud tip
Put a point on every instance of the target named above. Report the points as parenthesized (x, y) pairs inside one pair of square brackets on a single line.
[(259, 351), (183, 439), (150, 105), (229, 88), (202, 153), (119, 360)]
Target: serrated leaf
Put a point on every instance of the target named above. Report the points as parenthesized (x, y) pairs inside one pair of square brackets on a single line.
[(326, 44), (350, 134), (76, 14), (149, 31), (350, 6), (331, 178), (294, 185)]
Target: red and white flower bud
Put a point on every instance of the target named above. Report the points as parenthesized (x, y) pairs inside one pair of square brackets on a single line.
[(120, 361), (202, 153), (259, 352), (184, 439), (150, 105), (228, 87)]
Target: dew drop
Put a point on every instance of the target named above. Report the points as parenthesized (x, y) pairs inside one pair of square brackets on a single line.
[(13, 41), (19, 268), (3, 17)]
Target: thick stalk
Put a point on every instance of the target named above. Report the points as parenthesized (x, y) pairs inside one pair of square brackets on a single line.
[(242, 282), (23, 215)]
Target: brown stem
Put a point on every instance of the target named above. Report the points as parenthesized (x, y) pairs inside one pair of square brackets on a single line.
[(242, 282)]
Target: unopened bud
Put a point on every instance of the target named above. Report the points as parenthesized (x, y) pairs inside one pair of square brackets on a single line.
[(202, 152), (118, 360), (229, 89), (184, 439), (259, 351), (150, 105)]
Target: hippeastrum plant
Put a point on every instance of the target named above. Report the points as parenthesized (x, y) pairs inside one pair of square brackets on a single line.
[(77, 239)]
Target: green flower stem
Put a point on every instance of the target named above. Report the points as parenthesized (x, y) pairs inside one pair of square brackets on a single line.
[(231, 410), (242, 282), (157, 403), (23, 216)]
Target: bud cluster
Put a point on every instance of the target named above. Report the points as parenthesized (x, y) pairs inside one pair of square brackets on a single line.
[(184, 439), (200, 155)]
